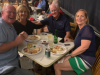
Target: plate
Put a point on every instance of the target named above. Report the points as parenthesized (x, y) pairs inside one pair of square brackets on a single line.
[(58, 49), (32, 37), (35, 49)]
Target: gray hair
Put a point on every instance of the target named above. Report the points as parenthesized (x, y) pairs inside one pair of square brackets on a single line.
[(56, 3)]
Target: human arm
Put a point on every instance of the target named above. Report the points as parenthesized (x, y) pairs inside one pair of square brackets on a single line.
[(67, 35), (82, 48), (37, 22), (19, 39), (84, 40), (40, 1)]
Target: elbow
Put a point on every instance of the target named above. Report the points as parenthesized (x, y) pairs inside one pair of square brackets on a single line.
[(85, 48)]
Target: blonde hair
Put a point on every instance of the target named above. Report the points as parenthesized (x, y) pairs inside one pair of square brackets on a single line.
[(20, 8), (87, 22)]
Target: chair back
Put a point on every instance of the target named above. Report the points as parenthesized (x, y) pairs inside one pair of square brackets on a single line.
[(73, 30), (5, 2)]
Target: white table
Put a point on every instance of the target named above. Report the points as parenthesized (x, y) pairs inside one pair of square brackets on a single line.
[(46, 62), (35, 8)]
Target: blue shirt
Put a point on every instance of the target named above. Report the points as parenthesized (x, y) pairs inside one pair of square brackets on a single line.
[(61, 24), (86, 33), (8, 58), (42, 5)]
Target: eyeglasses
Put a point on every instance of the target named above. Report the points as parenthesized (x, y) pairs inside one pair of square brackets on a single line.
[(11, 12)]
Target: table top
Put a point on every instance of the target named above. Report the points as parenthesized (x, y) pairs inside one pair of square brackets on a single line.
[(40, 57), (35, 8)]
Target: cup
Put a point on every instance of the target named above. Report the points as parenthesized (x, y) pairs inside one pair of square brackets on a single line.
[(50, 36), (34, 41), (50, 40)]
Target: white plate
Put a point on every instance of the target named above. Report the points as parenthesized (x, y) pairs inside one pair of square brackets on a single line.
[(32, 48), (59, 52), (31, 39)]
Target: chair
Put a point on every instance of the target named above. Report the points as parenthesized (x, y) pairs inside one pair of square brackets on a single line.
[(36, 3), (88, 72), (96, 66), (5, 2), (73, 30)]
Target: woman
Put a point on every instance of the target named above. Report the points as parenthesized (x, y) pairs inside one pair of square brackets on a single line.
[(22, 23), (83, 56), (25, 2)]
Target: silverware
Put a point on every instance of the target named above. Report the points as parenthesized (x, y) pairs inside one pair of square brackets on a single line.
[(42, 57)]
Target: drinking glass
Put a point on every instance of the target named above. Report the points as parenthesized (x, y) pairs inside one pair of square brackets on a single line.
[(50, 40)]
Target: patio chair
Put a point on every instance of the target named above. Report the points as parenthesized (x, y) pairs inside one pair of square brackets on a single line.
[(96, 66), (88, 72), (73, 30)]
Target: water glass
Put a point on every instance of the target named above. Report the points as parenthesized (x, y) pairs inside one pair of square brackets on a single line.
[(50, 40)]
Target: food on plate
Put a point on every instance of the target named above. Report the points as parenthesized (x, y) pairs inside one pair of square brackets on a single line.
[(57, 49), (32, 50), (33, 37), (29, 45)]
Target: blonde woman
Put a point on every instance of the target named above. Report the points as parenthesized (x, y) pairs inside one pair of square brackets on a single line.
[(22, 23), (83, 56)]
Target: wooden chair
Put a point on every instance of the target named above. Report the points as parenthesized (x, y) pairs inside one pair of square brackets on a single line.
[(5, 2), (96, 66), (73, 30)]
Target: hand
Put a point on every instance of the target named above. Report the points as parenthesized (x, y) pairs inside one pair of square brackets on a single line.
[(67, 57), (19, 39), (67, 39), (45, 29), (24, 34), (43, 12)]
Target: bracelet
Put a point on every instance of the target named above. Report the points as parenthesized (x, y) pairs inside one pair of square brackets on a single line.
[(70, 55)]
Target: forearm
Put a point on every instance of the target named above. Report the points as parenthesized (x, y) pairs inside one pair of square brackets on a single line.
[(78, 51), (7, 46), (67, 34), (37, 22)]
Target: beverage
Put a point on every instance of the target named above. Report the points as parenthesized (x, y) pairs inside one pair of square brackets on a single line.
[(35, 13), (55, 37), (50, 36), (50, 40), (47, 53)]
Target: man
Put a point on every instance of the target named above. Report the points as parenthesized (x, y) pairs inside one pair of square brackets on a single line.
[(56, 21), (9, 58)]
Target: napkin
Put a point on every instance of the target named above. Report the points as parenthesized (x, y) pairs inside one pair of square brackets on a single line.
[(31, 19)]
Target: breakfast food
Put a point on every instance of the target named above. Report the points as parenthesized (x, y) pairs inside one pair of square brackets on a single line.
[(32, 50), (58, 49)]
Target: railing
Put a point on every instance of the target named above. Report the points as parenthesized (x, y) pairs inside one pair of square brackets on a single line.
[(72, 17)]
